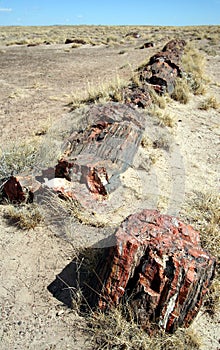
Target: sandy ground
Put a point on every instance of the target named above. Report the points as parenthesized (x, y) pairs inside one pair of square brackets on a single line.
[(36, 84)]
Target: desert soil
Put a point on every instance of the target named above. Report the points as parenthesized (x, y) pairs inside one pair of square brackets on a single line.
[(36, 85)]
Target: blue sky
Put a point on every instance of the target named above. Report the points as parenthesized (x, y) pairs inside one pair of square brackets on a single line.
[(114, 12)]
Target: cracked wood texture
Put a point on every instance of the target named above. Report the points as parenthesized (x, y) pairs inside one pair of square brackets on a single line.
[(157, 265), (96, 155)]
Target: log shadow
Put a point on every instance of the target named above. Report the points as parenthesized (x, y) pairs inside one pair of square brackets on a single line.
[(75, 279)]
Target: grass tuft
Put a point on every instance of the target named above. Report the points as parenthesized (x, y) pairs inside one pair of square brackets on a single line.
[(209, 102), (100, 94), (113, 331), (157, 99), (193, 63), (24, 216), (18, 158), (181, 91)]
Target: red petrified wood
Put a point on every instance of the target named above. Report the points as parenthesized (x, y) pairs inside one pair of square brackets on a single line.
[(158, 266)]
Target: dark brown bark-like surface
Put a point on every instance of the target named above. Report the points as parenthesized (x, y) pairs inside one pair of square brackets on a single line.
[(156, 265), (12, 190)]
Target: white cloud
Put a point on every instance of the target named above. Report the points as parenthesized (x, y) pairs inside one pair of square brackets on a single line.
[(5, 10)]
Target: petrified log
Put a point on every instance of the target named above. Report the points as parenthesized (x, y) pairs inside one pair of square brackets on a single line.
[(164, 67), (160, 72), (98, 154), (147, 45), (93, 156), (157, 265), (133, 34), (75, 41)]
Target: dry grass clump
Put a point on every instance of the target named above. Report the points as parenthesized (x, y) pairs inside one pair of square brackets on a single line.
[(209, 102), (24, 216), (167, 119), (181, 91), (212, 300), (102, 93), (198, 85), (193, 63), (158, 100), (113, 331), (203, 211), (164, 116), (18, 157)]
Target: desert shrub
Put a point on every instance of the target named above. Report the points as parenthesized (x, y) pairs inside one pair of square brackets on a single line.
[(197, 85), (159, 100), (193, 63), (101, 93), (167, 119)]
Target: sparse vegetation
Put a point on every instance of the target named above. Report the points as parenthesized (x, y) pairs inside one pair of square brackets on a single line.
[(209, 102), (193, 65), (181, 91), (18, 158), (101, 93), (24, 216), (158, 100), (112, 331)]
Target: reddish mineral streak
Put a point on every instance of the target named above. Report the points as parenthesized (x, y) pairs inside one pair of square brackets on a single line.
[(158, 266)]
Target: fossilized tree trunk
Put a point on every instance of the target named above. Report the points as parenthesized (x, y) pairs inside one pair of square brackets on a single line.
[(156, 265), (164, 67), (160, 73), (93, 157)]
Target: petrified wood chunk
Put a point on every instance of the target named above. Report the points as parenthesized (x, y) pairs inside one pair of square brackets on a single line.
[(158, 266), (135, 95), (96, 155), (147, 45), (11, 190), (164, 67)]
